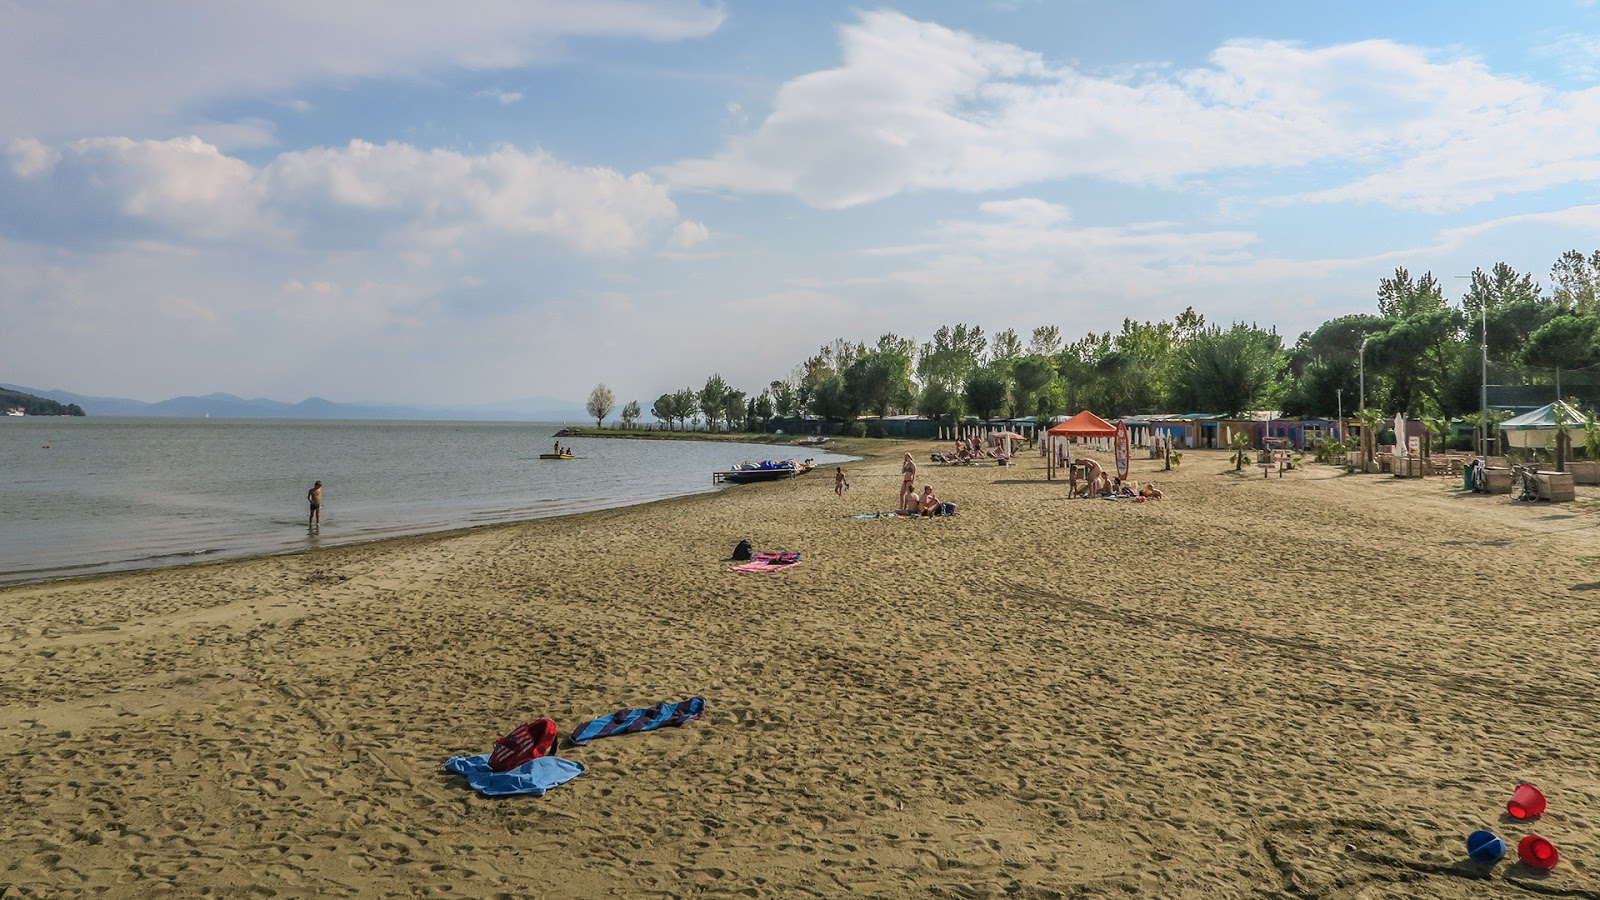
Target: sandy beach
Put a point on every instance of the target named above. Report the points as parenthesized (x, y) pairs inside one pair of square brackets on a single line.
[(1313, 686)]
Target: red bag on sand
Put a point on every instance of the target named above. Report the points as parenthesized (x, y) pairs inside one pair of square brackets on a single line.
[(526, 742)]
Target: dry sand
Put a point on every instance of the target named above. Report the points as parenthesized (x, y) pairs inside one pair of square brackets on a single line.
[(1313, 686)]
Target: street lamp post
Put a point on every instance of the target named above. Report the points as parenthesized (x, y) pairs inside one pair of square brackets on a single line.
[(1483, 396), (1361, 356), (1361, 401)]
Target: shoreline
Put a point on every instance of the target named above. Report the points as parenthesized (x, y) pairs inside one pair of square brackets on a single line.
[(223, 555), (1316, 685)]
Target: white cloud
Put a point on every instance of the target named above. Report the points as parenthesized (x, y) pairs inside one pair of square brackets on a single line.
[(504, 98), (358, 195), (112, 68), (29, 157), (917, 106), (687, 234), (1578, 55)]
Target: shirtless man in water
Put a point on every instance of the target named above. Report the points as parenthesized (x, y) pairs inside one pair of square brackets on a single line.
[(314, 497)]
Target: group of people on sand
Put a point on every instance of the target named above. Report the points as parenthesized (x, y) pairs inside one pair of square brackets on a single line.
[(1097, 484), (967, 450), (926, 503)]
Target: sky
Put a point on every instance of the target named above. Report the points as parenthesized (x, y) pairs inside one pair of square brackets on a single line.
[(489, 200)]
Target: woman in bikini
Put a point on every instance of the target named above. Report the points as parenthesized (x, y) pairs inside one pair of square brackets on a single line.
[(908, 483)]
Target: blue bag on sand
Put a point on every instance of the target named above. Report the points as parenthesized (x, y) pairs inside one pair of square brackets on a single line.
[(533, 777)]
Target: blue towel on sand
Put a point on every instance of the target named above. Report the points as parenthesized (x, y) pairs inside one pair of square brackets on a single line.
[(532, 777), (624, 721)]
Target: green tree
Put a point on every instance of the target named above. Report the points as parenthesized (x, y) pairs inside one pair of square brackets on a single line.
[(665, 409), (1029, 375), (1575, 282), (939, 403), (1046, 341), (630, 413), (1228, 372), (1371, 419), (985, 392), (713, 399), (1004, 350), (1568, 341), (1512, 324), (686, 402), (880, 381), (601, 402), (831, 401), (1049, 401), (1417, 353), (733, 410), (761, 410), (1497, 288), (1403, 296), (786, 399), (951, 356)]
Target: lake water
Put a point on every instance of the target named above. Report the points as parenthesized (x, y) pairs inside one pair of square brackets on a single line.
[(87, 495)]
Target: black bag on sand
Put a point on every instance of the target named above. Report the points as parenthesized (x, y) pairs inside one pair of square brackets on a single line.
[(741, 551)]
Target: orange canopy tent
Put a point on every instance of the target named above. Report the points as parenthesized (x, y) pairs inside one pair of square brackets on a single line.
[(1084, 424)]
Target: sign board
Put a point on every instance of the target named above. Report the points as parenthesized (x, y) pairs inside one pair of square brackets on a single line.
[(1123, 451)]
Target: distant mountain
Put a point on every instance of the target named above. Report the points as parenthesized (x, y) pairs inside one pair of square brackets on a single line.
[(32, 404), (229, 406)]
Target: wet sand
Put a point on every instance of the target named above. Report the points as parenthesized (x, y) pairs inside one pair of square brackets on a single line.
[(1313, 686)]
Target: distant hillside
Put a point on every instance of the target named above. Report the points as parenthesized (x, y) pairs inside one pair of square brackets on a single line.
[(229, 406), (35, 405)]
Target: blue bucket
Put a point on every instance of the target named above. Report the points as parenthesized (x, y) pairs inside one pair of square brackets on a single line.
[(1484, 847)]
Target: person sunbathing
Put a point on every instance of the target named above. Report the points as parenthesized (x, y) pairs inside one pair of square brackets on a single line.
[(1151, 492), (929, 504)]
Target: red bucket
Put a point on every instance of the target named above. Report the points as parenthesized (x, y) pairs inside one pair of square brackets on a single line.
[(1538, 853), (1526, 802)]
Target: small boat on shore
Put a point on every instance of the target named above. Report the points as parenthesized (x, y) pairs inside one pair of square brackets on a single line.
[(767, 470)]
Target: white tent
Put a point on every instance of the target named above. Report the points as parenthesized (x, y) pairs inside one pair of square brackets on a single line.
[(1538, 428)]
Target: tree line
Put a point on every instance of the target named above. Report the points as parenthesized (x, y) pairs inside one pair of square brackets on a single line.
[(1417, 353)]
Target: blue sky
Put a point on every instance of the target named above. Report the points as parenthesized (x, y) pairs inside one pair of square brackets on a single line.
[(491, 199)]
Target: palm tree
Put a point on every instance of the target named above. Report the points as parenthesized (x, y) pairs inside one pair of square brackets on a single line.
[(1370, 420), (1240, 445)]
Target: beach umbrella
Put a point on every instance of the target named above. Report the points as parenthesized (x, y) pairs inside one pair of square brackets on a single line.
[(1400, 433)]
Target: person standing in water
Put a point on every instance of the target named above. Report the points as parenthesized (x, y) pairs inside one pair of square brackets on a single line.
[(314, 497)]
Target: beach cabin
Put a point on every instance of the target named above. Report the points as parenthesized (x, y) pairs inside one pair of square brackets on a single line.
[(1138, 429), (1299, 433), (1188, 430)]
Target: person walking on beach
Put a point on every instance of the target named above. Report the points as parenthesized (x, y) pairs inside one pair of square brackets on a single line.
[(314, 497), (908, 483), (840, 485)]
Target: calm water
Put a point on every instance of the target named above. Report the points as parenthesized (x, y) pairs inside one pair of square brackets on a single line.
[(87, 495)]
